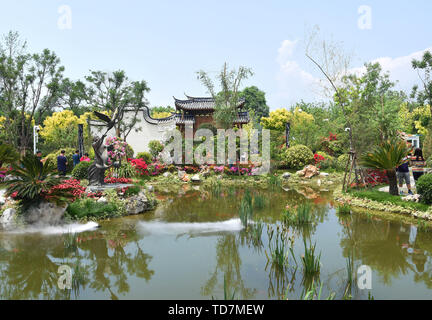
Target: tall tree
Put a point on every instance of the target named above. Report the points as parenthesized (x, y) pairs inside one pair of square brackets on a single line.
[(226, 101), (30, 86), (111, 91), (255, 101), (424, 71)]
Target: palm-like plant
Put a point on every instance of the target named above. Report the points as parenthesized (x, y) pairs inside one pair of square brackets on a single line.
[(388, 155), (7, 154), (32, 182)]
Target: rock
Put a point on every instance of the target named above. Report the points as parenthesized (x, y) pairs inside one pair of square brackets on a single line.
[(181, 174), (308, 172), (324, 174), (138, 204), (286, 175), (195, 178), (166, 174), (102, 200), (7, 219), (185, 178), (412, 197), (45, 213), (219, 177), (2, 198), (150, 188)]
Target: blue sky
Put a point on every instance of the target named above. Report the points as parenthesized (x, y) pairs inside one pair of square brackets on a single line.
[(166, 42)]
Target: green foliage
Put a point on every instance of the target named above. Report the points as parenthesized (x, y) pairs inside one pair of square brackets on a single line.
[(342, 161), (132, 191), (86, 208), (296, 157), (298, 216), (256, 232), (208, 126), (146, 156), (246, 209), (343, 209), (52, 158), (385, 197), (274, 181), (80, 171), (155, 147), (226, 101), (311, 262), (129, 152), (424, 188), (32, 182), (255, 101), (126, 170), (8, 154), (424, 69)]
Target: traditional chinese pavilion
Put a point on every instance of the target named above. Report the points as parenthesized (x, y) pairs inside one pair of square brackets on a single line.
[(197, 111)]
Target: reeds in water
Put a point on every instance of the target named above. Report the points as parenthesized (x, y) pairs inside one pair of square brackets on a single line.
[(343, 209), (246, 209), (299, 215), (311, 262)]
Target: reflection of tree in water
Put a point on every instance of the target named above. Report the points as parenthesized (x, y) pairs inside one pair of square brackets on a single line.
[(229, 264), (32, 271), (376, 243)]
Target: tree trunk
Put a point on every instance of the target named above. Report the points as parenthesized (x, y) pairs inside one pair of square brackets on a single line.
[(393, 187)]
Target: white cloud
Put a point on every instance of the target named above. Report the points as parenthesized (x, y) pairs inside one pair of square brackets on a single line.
[(295, 83)]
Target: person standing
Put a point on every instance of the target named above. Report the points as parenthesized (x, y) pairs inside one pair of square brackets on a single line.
[(403, 174), (417, 164), (62, 163), (39, 157), (76, 158)]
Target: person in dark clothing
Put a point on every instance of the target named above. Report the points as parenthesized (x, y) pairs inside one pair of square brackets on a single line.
[(62, 163), (403, 174), (417, 164), (76, 158)]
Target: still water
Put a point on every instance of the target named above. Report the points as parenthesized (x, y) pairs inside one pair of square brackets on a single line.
[(194, 242)]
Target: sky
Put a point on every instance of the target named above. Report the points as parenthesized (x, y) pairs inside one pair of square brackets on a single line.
[(166, 42)]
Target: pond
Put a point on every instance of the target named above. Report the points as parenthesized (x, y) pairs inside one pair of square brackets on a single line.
[(193, 246)]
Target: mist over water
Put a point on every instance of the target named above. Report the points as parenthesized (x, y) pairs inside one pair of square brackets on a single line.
[(52, 230), (176, 228)]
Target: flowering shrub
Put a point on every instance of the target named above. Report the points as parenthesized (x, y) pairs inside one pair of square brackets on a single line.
[(118, 149), (375, 177), (117, 180), (4, 173), (139, 165), (331, 145), (318, 158), (71, 186)]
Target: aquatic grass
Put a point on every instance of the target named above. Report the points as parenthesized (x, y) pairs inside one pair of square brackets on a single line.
[(277, 254), (343, 209), (216, 188), (256, 232), (274, 181), (311, 262), (315, 292), (422, 226), (70, 242), (83, 208), (246, 209), (299, 215), (259, 202)]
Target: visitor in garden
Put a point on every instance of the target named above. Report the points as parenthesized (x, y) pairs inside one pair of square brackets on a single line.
[(418, 163), (76, 158), (62, 163), (85, 157), (403, 174)]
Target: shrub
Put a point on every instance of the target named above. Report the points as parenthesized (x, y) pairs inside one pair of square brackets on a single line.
[(129, 151), (90, 208), (131, 191), (81, 170), (342, 161), (126, 170), (146, 156), (424, 188), (296, 157), (52, 158), (155, 147)]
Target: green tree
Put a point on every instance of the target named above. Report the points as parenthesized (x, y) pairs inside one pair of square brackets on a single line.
[(114, 91), (30, 87), (226, 101), (424, 70), (255, 101)]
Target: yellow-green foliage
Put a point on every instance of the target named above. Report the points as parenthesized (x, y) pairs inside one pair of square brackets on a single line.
[(296, 157), (342, 161), (279, 117), (325, 155), (52, 157)]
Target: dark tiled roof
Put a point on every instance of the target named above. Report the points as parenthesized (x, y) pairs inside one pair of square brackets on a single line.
[(203, 103)]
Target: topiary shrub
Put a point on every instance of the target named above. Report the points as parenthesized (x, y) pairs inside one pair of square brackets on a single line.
[(52, 157), (296, 157), (342, 161), (146, 156), (155, 147), (424, 188), (80, 171)]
